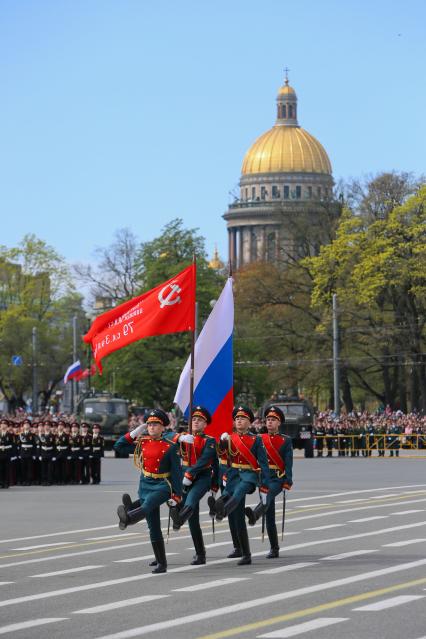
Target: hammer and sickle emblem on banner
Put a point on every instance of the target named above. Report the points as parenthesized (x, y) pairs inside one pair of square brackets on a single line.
[(172, 296)]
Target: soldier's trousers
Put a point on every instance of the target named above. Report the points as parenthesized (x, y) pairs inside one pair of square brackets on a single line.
[(95, 469), (192, 499), (47, 471), (27, 470), (85, 470), (275, 488), (153, 493), (4, 472)]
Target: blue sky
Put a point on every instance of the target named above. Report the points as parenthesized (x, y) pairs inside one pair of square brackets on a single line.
[(131, 113)]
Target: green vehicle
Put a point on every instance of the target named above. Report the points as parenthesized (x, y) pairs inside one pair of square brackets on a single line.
[(299, 421), (110, 412)]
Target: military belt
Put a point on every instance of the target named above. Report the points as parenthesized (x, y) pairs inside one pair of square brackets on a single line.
[(26, 445), (245, 467), (47, 447), (146, 473), (74, 449), (62, 447)]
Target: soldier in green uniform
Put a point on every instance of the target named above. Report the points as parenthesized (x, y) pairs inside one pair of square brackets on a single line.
[(198, 453), (160, 480), (279, 451), (248, 469)]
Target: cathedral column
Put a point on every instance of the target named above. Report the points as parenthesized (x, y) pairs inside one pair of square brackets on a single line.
[(247, 245), (240, 247)]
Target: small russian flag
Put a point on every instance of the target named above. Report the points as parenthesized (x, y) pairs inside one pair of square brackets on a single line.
[(73, 371), (213, 367)]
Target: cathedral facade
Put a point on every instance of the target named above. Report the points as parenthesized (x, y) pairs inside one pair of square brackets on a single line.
[(286, 173)]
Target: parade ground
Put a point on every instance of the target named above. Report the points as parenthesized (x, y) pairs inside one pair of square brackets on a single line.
[(352, 563)]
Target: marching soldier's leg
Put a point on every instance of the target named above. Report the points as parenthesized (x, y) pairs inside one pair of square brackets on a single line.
[(271, 529), (197, 537), (157, 540), (238, 515), (236, 542)]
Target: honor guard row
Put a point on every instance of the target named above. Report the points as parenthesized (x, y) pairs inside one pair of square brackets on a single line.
[(46, 454), (181, 469)]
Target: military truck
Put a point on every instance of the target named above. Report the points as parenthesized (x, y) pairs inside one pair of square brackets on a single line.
[(110, 412), (299, 421)]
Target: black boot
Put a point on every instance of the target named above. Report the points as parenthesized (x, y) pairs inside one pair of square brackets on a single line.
[(160, 555), (182, 516), (200, 551), (245, 547), (211, 501), (129, 517), (237, 549), (254, 514), (273, 539), (128, 503), (175, 516), (219, 507)]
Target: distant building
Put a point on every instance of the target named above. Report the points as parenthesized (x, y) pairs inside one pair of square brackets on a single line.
[(285, 173)]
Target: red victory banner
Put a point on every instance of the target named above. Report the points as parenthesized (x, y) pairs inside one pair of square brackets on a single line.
[(167, 308)]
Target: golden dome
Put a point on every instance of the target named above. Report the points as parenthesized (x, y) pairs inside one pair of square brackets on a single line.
[(286, 149), (216, 263), (286, 89)]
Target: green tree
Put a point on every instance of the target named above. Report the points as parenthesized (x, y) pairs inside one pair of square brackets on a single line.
[(377, 267), (36, 290)]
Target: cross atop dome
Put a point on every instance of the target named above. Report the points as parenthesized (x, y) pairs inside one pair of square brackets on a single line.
[(286, 70)]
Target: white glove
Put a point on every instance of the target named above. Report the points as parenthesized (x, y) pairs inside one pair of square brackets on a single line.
[(53, 458), (224, 483), (189, 439), (224, 437), (137, 431), (264, 497), (171, 502), (186, 481)]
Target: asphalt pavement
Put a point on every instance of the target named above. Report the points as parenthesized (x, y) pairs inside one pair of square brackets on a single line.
[(352, 562)]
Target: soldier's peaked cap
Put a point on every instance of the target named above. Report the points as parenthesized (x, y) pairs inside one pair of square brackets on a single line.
[(200, 411), (274, 411), (243, 411), (159, 416)]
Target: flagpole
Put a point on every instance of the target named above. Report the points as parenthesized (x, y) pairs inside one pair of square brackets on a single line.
[(192, 366)]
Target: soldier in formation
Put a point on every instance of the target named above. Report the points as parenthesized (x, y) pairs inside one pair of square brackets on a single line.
[(45, 453)]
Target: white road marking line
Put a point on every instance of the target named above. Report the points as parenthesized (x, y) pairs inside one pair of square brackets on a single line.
[(64, 572), (29, 624), (328, 513), (300, 628), (309, 506), (409, 512), (56, 534), (346, 555), (218, 543), (211, 584), (325, 527), (73, 554), (364, 519), (121, 535), (381, 496), (407, 542), (58, 543), (145, 557), (119, 604), (274, 571), (357, 492), (249, 605), (5, 583), (389, 603), (349, 501)]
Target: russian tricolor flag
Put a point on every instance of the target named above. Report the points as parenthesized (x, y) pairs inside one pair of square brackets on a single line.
[(213, 368), (73, 371)]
